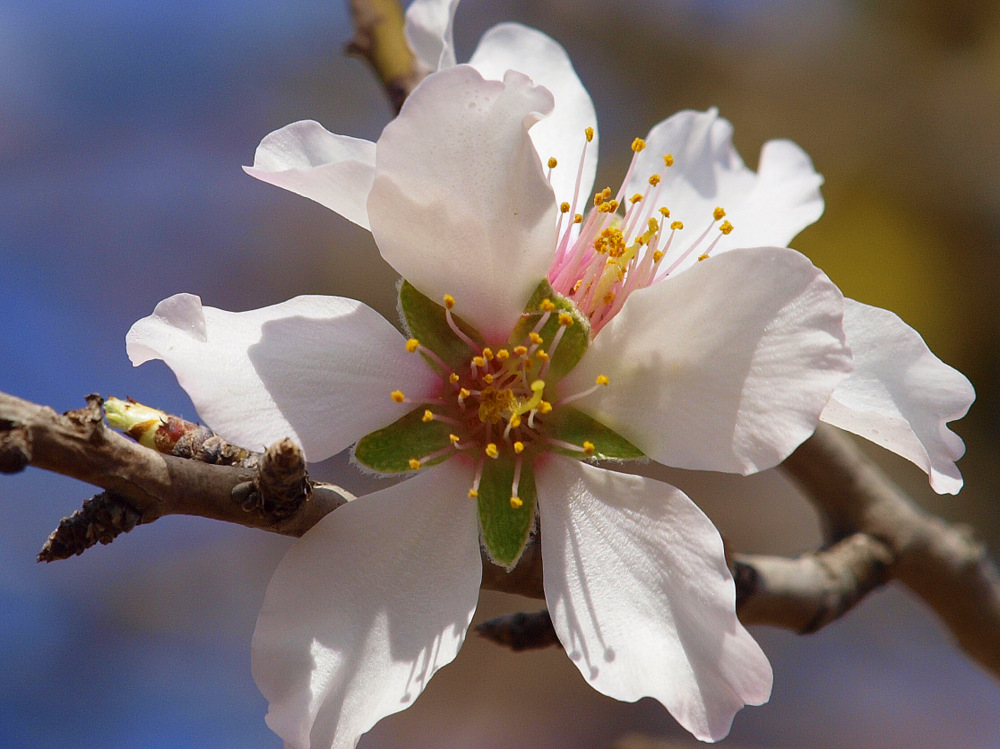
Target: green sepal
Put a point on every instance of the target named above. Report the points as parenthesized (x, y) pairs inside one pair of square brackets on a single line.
[(389, 450), (505, 530), (425, 319), (569, 425), (574, 341)]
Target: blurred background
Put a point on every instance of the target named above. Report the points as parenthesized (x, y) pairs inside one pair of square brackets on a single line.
[(123, 126)]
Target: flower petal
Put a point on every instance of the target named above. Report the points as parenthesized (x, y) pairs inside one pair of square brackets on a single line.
[(316, 369), (725, 367), (460, 205), (767, 209), (900, 395), (428, 29), (366, 607), (510, 46), (334, 170), (640, 595)]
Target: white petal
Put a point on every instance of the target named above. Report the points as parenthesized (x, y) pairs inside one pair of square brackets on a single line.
[(511, 46), (640, 595), (725, 367), (334, 170), (429, 31), (460, 205), (317, 369), (767, 209), (900, 395), (365, 607)]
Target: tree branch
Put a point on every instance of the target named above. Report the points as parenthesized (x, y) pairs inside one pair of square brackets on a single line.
[(379, 39)]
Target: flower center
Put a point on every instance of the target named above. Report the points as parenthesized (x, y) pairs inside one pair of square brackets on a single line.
[(621, 245)]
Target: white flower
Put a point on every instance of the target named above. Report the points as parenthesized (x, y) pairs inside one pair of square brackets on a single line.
[(724, 365)]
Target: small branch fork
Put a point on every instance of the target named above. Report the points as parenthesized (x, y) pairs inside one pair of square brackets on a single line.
[(875, 533)]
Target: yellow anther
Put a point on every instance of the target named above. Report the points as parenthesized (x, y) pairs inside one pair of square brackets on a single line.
[(492, 450), (589, 132), (515, 421), (544, 407), (463, 393), (578, 218), (725, 227), (518, 447), (703, 256), (547, 305), (565, 318), (654, 179), (677, 225), (657, 256), (428, 416), (611, 242), (609, 297), (552, 162), (520, 350), (515, 503), (668, 159), (488, 379), (449, 301), (576, 288), (564, 207), (535, 338), (541, 355), (719, 213), (453, 378), (638, 144), (479, 361), (664, 211), (414, 464), (488, 354), (412, 345), (635, 198), (588, 447), (503, 354), (473, 494), (397, 395), (602, 380), (453, 438)]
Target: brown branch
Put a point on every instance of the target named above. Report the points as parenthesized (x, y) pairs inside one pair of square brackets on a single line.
[(379, 39)]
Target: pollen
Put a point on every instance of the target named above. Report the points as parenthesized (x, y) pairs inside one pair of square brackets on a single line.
[(412, 345), (719, 213), (492, 451), (547, 305), (602, 380), (664, 211), (668, 159), (703, 256), (428, 416), (397, 395), (449, 301), (503, 354), (541, 355), (479, 361), (589, 132), (677, 225), (518, 447), (520, 350), (515, 503), (453, 378), (725, 227), (654, 179), (637, 198), (588, 447), (414, 464), (453, 438), (566, 319), (473, 493), (488, 379), (544, 407), (552, 162), (488, 354), (535, 338), (638, 144), (578, 218), (564, 207)]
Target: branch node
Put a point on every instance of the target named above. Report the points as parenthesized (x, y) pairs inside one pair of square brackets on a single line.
[(280, 485), (100, 520)]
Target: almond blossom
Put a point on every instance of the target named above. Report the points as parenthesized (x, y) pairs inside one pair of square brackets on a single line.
[(548, 328)]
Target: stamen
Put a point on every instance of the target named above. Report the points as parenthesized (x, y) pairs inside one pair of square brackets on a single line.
[(428, 416), (414, 464), (412, 345), (492, 451), (515, 501), (601, 381), (449, 302), (397, 396)]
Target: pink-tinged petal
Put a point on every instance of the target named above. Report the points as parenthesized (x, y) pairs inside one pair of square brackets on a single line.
[(725, 367), (767, 209), (317, 369), (511, 46), (366, 607), (334, 170), (429, 31), (641, 598), (900, 395), (460, 205)]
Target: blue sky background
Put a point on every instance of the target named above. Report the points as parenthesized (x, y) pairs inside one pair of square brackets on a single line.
[(123, 127)]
